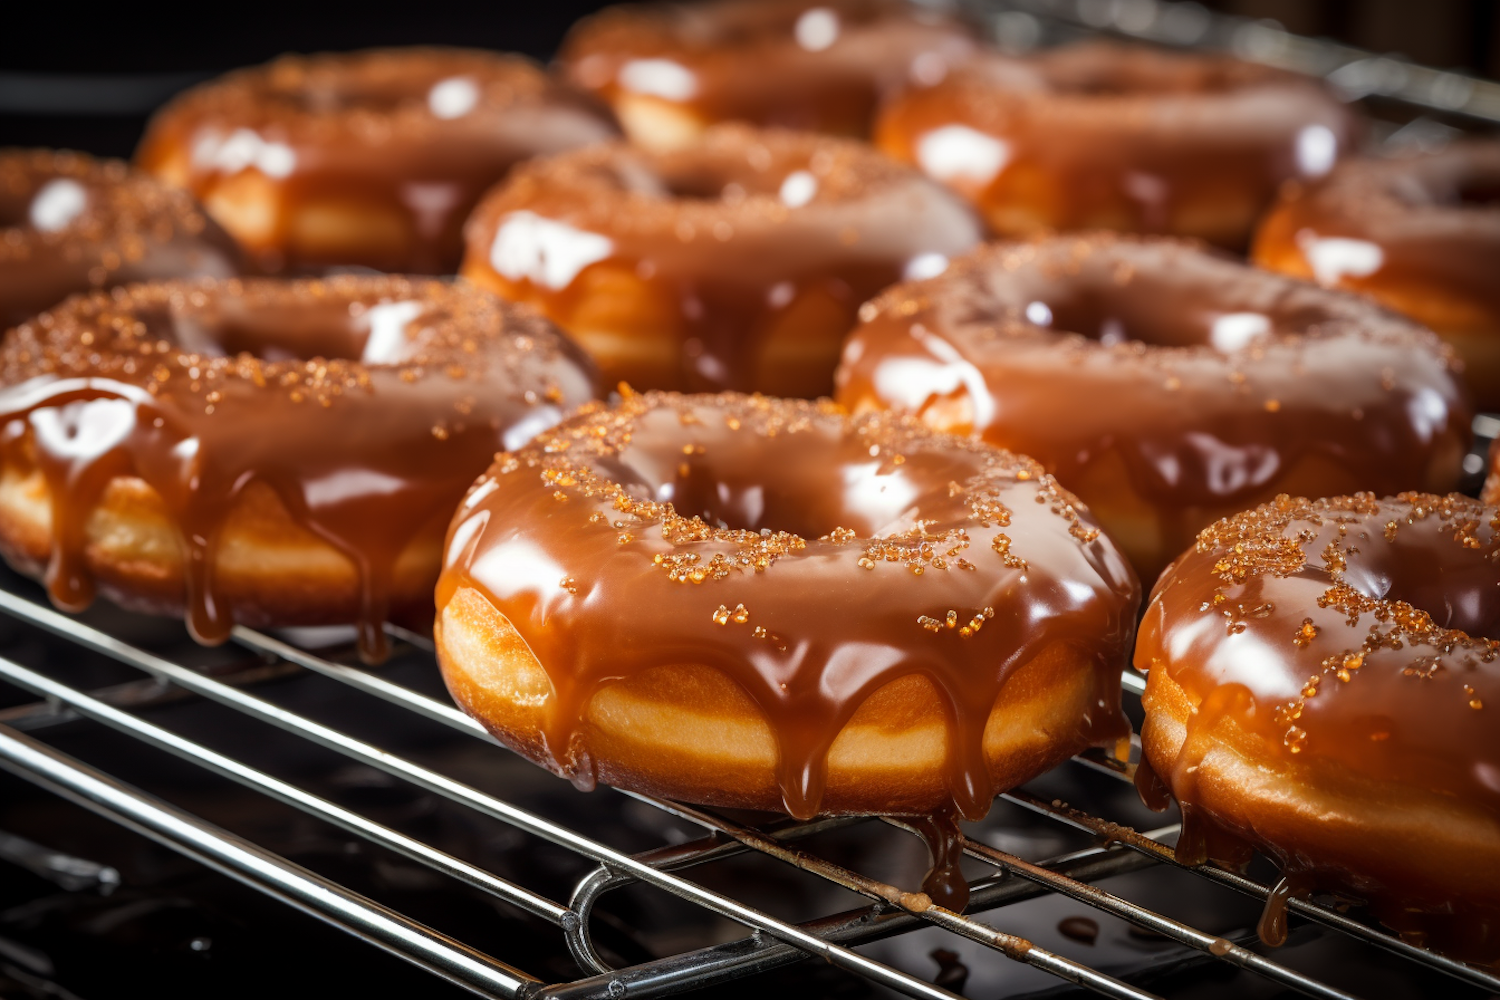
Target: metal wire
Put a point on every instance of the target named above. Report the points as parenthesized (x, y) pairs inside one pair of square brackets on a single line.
[(258, 868)]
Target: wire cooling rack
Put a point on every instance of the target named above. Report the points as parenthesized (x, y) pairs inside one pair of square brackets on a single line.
[(849, 938), (771, 941)]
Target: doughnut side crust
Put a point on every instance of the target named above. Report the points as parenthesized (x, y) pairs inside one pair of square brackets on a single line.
[(1318, 817), (269, 569), (686, 731)]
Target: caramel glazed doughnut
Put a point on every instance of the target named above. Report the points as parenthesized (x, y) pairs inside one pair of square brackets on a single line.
[(70, 223), (1419, 233), (769, 604), (369, 158), (737, 263), (670, 70), (1319, 688), (1165, 385), (1104, 136), (167, 445)]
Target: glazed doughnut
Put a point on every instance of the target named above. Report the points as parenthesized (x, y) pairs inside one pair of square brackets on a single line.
[(70, 223), (1420, 233), (738, 263), (769, 604), (1105, 136), (369, 158), (1166, 385), (167, 445), (1320, 688), (670, 70)]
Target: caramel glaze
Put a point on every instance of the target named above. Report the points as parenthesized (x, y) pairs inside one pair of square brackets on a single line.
[(799, 64), (200, 391), (1491, 494), (810, 557), (1418, 232), (370, 158), (1210, 383), (738, 263), (70, 223), (1105, 136), (1337, 643)]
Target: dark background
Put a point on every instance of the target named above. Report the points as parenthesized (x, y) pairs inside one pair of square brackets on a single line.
[(56, 58)]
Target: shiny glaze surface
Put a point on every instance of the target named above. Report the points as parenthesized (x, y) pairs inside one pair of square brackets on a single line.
[(399, 141), (1492, 483), (1206, 379), (70, 223), (809, 556), (1347, 634), (200, 389), (818, 66), (724, 242), (1107, 136), (1418, 232)]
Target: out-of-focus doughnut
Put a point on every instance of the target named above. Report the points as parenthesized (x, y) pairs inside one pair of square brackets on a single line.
[(368, 158), (738, 263), (70, 223), (264, 452), (1166, 385), (670, 70), (1104, 136), (1419, 233)]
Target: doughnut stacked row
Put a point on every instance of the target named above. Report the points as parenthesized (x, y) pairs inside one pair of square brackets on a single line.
[(903, 599)]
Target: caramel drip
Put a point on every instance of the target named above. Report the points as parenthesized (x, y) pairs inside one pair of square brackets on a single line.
[(1105, 136), (944, 883), (813, 66), (70, 223), (1214, 385), (368, 456), (370, 158), (1273, 919), (1155, 794), (737, 263), (1419, 233), (1344, 636), (711, 531)]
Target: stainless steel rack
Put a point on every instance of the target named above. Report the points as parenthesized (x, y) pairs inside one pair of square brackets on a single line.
[(770, 942)]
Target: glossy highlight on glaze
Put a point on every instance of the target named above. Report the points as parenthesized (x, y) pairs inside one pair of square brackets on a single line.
[(809, 558), (737, 263), (1419, 232), (671, 70), (363, 406), (1108, 136), (1322, 687), (1165, 384), (70, 223), (370, 158)]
